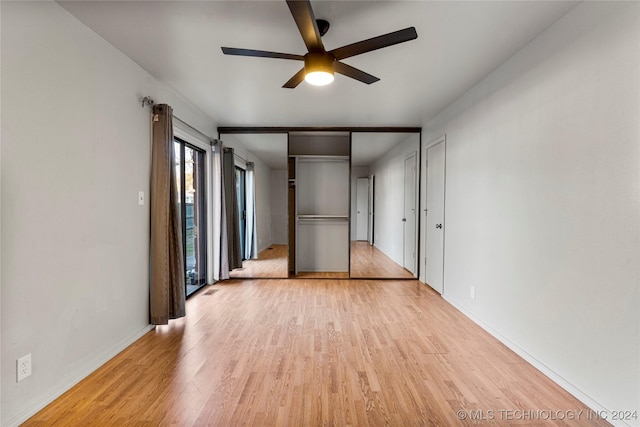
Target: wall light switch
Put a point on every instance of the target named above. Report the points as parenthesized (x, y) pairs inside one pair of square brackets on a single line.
[(472, 292), (141, 198)]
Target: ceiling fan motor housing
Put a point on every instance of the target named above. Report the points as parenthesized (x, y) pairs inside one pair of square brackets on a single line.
[(319, 61), (323, 26)]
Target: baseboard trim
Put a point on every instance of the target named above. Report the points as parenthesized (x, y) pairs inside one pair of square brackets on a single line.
[(81, 373), (552, 375)]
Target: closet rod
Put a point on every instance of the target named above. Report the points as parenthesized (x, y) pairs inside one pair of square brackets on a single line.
[(323, 218)]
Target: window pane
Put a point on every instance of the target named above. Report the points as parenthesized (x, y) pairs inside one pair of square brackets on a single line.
[(240, 192), (195, 236), (177, 148)]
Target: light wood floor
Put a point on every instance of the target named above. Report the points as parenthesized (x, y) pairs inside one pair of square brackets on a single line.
[(311, 353), (367, 261), (322, 275), (271, 262)]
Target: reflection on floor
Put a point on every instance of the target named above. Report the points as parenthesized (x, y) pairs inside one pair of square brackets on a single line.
[(366, 262), (370, 262), (271, 262), (322, 275), (192, 288)]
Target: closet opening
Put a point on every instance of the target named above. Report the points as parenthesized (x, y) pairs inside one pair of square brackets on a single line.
[(319, 191), (340, 200)]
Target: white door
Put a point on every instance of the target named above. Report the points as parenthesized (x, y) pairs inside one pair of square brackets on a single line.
[(409, 258), (362, 208), (434, 260), (371, 220)]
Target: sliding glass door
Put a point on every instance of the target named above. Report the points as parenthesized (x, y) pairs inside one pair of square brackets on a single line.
[(190, 165), (242, 207)]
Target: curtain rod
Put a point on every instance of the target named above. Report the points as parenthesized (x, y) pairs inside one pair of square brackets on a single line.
[(240, 157), (147, 100), (211, 140)]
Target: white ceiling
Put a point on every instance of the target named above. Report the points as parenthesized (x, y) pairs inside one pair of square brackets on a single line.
[(271, 148), (178, 42), (368, 147)]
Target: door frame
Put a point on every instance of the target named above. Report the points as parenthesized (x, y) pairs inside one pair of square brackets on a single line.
[(416, 183), (365, 211), (202, 214), (241, 185), (371, 212)]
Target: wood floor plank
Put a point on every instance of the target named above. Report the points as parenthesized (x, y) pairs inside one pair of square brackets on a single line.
[(312, 353), (272, 262), (367, 261)]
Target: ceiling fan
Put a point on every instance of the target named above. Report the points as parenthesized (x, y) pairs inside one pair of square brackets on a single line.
[(320, 64)]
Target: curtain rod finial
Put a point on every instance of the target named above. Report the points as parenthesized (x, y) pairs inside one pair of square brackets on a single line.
[(147, 100)]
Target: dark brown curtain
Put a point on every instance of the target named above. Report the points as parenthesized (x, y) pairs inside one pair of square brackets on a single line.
[(167, 281), (231, 209)]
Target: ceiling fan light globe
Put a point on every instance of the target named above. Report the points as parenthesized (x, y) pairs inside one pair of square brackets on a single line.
[(318, 68), (319, 78)]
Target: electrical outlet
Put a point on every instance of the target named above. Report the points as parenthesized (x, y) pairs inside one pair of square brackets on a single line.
[(23, 367), (472, 292), (141, 198)]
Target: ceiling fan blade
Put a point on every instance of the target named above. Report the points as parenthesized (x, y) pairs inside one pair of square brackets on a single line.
[(260, 53), (306, 22), (379, 42), (354, 73), (295, 80)]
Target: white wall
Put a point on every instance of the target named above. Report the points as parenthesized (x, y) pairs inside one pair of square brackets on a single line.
[(279, 201), (356, 172), (75, 153), (263, 190), (542, 203), (389, 198), (1, 174)]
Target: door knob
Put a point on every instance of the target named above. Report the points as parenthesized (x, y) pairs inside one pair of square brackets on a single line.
[(438, 225), (404, 219)]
